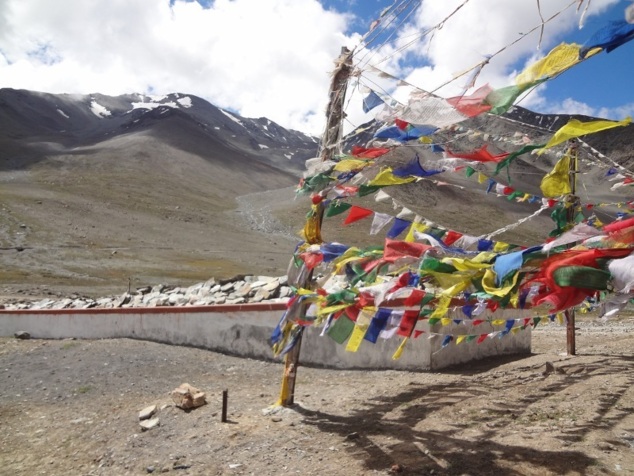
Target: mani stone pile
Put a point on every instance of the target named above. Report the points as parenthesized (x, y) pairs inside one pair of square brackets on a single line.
[(238, 290)]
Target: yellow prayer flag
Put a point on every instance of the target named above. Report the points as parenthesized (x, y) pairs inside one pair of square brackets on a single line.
[(460, 338), (515, 299), (351, 164), (575, 128), (488, 284), (356, 338), (559, 59), (331, 309), (484, 257), (482, 178), (464, 264), (399, 351), (500, 246), (416, 227), (445, 321), (386, 177), (557, 182), (498, 322), (441, 307)]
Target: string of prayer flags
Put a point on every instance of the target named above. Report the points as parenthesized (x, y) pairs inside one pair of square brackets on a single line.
[(442, 277)]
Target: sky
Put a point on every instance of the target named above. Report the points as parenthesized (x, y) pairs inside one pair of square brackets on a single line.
[(274, 58)]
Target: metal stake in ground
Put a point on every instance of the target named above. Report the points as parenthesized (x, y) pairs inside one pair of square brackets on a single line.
[(225, 401)]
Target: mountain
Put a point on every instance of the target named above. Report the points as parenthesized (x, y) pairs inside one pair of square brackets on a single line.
[(99, 191), (36, 125)]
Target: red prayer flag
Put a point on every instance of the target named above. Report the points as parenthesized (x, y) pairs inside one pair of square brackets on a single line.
[(395, 249), (356, 213), (311, 259), (474, 104), (480, 155), (402, 125), (618, 225), (407, 324), (451, 237), (363, 153)]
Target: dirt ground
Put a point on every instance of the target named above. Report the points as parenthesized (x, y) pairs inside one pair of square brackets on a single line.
[(70, 407)]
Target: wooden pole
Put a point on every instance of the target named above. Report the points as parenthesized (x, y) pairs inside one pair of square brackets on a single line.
[(571, 344), (329, 144)]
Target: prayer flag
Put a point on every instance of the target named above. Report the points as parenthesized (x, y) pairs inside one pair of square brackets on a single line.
[(357, 213), (557, 182), (575, 128)]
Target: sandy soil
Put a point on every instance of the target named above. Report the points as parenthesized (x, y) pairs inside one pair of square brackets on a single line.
[(71, 408)]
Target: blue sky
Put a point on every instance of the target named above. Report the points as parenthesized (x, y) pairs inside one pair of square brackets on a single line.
[(600, 86), (604, 81), (273, 58)]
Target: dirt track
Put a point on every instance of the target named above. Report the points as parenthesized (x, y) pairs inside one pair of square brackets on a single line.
[(70, 408)]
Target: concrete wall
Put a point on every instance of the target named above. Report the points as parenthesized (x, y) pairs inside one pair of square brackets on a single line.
[(244, 330)]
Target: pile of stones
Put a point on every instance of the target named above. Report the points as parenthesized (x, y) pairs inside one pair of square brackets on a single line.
[(238, 290)]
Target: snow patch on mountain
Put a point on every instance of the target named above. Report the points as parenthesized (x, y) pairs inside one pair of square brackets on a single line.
[(63, 114), (185, 101), (99, 110), (152, 105), (232, 117)]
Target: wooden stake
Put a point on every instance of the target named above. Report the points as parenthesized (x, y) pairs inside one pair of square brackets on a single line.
[(291, 362), (571, 344), (330, 141)]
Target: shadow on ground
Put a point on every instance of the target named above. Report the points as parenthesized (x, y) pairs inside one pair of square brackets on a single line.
[(391, 430)]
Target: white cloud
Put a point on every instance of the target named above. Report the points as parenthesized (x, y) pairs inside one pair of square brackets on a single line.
[(478, 30), (269, 58), (572, 106), (258, 57)]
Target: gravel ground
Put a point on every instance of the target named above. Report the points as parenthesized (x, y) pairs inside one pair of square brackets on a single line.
[(70, 407)]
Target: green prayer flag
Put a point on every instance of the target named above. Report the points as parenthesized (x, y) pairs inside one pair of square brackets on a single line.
[(337, 207), (514, 155), (341, 329), (367, 189)]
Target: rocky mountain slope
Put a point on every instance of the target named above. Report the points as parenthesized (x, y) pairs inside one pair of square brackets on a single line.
[(101, 193), (97, 191)]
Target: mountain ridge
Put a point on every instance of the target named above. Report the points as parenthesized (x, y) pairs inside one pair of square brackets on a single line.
[(98, 192)]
